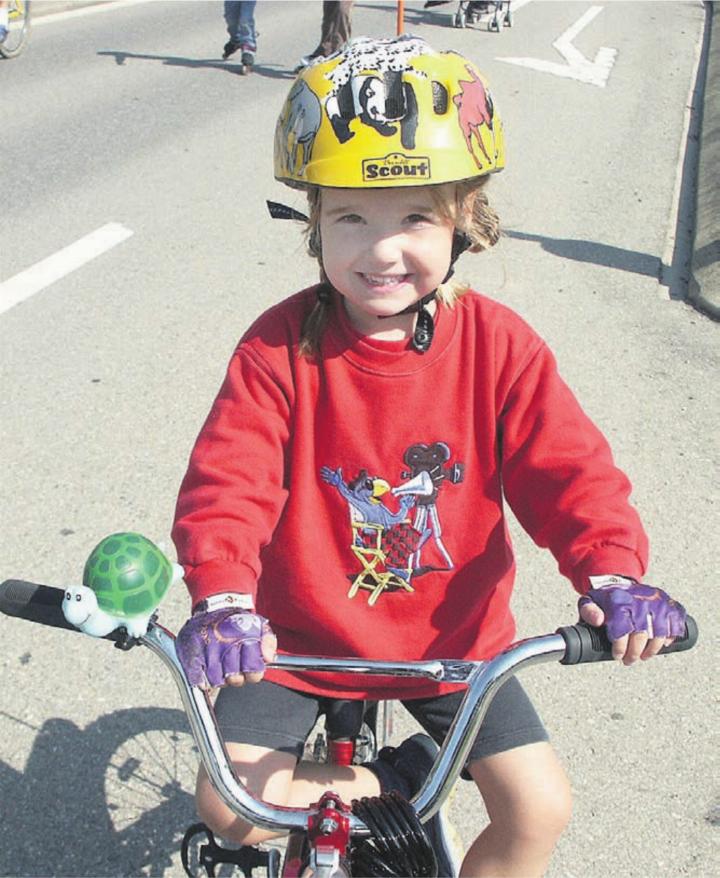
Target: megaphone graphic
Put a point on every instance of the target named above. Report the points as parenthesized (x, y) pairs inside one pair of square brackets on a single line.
[(421, 486)]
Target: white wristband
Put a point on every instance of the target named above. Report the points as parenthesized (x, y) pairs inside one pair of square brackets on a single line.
[(225, 600), (609, 579)]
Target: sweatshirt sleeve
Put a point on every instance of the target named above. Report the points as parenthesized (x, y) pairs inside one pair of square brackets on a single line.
[(560, 479), (234, 490)]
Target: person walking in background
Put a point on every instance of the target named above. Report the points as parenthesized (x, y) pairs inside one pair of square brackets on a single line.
[(240, 21), (334, 32)]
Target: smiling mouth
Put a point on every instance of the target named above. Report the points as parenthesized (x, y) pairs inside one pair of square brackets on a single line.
[(385, 280), (77, 622)]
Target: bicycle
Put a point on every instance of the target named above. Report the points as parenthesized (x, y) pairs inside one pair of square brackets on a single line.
[(19, 22), (330, 839)]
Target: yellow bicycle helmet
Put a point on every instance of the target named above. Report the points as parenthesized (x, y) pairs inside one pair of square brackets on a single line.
[(388, 112)]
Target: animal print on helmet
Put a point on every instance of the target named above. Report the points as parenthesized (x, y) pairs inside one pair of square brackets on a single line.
[(382, 56)]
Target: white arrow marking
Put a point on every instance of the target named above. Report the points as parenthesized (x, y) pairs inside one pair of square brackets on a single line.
[(577, 65), (42, 274), (100, 8)]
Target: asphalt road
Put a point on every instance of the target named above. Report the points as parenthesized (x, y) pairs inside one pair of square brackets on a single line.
[(127, 117)]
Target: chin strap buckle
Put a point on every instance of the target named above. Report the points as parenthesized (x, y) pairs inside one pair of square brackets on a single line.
[(424, 330)]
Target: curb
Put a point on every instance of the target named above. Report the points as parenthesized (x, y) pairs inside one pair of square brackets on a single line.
[(704, 283)]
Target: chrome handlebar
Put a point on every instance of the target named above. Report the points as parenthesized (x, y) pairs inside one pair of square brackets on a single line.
[(572, 644), (482, 680)]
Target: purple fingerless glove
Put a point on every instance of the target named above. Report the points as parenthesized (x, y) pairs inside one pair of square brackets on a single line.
[(216, 645), (631, 606)]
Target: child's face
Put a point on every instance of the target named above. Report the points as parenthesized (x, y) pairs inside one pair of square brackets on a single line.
[(383, 250)]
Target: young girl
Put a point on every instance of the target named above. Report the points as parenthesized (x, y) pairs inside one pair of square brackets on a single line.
[(346, 493)]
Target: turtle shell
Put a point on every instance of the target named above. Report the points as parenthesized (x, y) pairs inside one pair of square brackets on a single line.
[(128, 574)]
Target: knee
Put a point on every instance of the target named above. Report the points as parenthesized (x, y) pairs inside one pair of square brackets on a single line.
[(265, 774), (217, 816), (552, 813), (527, 795), (544, 816), (223, 822)]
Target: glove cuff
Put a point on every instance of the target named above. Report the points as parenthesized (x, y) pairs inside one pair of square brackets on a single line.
[(224, 601), (608, 579)]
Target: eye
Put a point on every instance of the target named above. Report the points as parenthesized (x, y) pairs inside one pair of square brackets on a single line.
[(418, 219), (351, 218), (68, 596), (78, 597)]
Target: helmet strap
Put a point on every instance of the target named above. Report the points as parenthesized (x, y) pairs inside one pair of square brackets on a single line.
[(424, 324), (282, 211)]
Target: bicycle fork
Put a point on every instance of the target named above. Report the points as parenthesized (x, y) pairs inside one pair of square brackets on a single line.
[(328, 840)]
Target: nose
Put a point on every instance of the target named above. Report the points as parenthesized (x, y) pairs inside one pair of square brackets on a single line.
[(385, 249)]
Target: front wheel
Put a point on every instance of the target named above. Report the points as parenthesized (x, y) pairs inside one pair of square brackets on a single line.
[(18, 28)]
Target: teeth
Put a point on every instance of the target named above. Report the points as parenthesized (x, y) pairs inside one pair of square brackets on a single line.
[(380, 279)]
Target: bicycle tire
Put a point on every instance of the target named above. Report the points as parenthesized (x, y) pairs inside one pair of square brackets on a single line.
[(19, 30)]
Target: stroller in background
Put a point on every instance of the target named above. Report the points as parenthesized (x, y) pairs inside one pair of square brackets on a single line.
[(471, 11)]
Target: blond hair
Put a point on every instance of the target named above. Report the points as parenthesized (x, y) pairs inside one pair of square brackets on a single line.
[(465, 204)]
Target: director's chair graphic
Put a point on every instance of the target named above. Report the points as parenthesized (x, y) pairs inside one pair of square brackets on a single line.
[(378, 549)]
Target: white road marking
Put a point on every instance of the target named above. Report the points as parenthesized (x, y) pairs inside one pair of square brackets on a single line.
[(25, 284), (82, 11), (576, 65)]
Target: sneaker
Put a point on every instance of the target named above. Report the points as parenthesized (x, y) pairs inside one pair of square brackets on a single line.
[(411, 763), (307, 60), (229, 49)]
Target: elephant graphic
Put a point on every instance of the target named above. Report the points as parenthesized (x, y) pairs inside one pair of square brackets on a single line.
[(298, 127)]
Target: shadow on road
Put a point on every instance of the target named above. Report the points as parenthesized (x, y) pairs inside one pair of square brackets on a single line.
[(268, 70), (112, 799), (591, 251)]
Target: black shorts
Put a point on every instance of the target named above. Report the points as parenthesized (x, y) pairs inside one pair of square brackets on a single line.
[(267, 715)]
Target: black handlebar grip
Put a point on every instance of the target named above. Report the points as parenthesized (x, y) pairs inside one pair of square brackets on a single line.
[(583, 643), (36, 603), (42, 604)]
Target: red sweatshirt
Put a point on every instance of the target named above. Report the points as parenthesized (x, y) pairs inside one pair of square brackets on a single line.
[(359, 495)]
